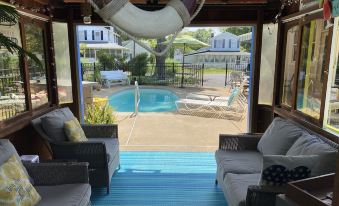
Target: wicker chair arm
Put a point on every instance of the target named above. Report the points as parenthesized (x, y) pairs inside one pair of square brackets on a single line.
[(92, 152), (243, 141), (263, 195), (44, 174), (101, 131)]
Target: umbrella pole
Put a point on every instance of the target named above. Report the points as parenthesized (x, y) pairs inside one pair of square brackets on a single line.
[(183, 67)]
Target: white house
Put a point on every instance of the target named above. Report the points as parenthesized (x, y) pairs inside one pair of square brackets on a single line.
[(134, 48), (225, 47), (95, 38)]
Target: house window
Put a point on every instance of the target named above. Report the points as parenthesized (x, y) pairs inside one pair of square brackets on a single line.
[(35, 38), (102, 35), (85, 35), (82, 35), (310, 79), (93, 37), (12, 90), (215, 43), (291, 52), (219, 43), (238, 43), (97, 35), (223, 43), (229, 43)]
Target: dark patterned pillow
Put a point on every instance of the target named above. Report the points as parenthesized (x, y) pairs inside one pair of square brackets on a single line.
[(278, 170)]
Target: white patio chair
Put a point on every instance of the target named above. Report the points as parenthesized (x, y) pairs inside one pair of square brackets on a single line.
[(232, 107)]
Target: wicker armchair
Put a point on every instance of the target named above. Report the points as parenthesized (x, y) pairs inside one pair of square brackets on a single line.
[(101, 151), (52, 178), (256, 195)]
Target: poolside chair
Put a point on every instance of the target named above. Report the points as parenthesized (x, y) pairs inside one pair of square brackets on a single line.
[(215, 97), (232, 107)]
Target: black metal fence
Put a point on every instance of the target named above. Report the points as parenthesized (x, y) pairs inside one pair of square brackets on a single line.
[(172, 74)]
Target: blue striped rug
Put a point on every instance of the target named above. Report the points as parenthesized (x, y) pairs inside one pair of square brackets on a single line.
[(163, 179)]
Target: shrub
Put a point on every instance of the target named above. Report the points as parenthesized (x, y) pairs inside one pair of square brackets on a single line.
[(138, 65), (99, 114), (111, 62)]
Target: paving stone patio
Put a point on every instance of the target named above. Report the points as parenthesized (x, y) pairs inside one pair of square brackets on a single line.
[(171, 131)]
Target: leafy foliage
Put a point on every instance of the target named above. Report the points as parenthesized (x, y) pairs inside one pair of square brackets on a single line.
[(203, 35), (99, 114), (9, 16), (111, 62), (138, 65), (237, 30)]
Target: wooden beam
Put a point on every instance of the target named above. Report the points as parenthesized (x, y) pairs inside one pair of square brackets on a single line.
[(234, 2)]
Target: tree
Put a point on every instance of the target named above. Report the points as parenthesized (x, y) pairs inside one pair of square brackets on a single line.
[(203, 35), (160, 60), (237, 30)]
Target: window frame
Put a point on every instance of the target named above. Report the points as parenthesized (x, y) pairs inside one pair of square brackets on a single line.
[(292, 109), (19, 121), (42, 25)]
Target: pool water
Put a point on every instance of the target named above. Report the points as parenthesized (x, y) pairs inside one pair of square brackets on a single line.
[(151, 100)]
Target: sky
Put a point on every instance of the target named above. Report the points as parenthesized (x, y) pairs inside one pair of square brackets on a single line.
[(215, 29)]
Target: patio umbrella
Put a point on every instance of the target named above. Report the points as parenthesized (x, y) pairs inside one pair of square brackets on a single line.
[(186, 40)]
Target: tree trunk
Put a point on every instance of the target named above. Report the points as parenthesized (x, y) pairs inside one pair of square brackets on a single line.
[(160, 61)]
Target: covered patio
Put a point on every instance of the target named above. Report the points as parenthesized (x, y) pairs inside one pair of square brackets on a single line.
[(285, 152)]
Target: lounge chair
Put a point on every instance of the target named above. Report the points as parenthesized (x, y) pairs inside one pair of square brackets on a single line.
[(234, 106), (114, 77), (101, 150)]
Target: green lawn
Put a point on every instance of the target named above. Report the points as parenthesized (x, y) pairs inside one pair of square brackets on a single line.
[(214, 71), (218, 71)]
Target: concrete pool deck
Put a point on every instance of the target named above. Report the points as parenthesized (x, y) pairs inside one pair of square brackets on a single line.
[(171, 131)]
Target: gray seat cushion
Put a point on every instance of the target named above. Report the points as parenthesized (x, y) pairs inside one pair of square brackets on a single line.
[(65, 195), (53, 124), (279, 137), (112, 146), (238, 162), (236, 187)]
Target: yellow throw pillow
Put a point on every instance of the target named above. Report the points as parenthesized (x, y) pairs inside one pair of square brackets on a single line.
[(74, 131), (15, 188)]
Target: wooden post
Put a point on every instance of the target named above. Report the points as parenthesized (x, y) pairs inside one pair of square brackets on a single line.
[(253, 106), (73, 60)]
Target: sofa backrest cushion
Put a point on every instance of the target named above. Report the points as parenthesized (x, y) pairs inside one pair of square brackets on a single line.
[(53, 124), (279, 137), (308, 144)]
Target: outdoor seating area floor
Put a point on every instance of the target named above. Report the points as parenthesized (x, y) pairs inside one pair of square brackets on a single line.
[(162, 179)]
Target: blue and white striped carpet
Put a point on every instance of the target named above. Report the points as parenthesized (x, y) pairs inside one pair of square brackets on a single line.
[(163, 179)]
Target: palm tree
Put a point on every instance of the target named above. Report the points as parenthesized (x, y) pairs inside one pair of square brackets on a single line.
[(8, 17)]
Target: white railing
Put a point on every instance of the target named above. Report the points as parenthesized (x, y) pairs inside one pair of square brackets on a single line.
[(136, 98)]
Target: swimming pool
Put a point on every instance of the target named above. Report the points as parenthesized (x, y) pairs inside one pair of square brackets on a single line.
[(151, 100)]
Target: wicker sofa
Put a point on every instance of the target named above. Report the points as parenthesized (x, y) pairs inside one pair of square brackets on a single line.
[(101, 150), (240, 160), (57, 183)]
